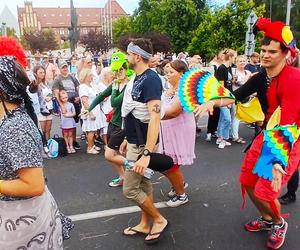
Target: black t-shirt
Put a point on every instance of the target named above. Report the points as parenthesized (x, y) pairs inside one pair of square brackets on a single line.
[(256, 84), (146, 87), (225, 74)]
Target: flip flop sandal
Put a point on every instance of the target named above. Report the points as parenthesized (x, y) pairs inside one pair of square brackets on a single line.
[(134, 232), (155, 240), (239, 140)]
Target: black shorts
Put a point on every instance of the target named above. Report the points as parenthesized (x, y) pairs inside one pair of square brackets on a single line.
[(115, 136)]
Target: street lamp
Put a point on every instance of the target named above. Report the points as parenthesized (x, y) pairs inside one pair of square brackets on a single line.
[(288, 12)]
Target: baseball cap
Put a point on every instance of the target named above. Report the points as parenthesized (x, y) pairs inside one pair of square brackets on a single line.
[(62, 64)]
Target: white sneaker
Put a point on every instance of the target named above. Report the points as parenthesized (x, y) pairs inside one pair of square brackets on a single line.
[(218, 141), (208, 137), (178, 201), (172, 192), (222, 144), (227, 143)]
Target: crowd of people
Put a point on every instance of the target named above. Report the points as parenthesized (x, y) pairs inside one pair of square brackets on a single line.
[(116, 105)]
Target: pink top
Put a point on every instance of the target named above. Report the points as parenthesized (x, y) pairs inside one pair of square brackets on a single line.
[(178, 135)]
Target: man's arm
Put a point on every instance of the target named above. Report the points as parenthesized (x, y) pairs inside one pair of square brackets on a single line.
[(152, 135), (154, 107)]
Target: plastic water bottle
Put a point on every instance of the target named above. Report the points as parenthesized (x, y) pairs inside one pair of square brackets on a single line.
[(130, 164)]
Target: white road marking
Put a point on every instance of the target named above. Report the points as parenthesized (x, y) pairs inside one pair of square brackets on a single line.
[(111, 212)]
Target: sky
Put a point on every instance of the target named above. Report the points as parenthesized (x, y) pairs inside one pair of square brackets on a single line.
[(128, 5)]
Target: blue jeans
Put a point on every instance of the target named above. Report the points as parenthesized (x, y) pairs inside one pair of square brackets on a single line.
[(224, 124)]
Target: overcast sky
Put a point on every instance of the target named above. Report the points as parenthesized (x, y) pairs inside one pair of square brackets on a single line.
[(128, 5)]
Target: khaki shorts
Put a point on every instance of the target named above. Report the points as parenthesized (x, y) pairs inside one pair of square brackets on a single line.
[(135, 187)]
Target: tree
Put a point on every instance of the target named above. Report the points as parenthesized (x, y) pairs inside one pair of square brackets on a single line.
[(160, 42), (223, 28), (177, 18), (40, 40), (277, 11), (9, 32), (121, 26), (95, 40), (124, 40)]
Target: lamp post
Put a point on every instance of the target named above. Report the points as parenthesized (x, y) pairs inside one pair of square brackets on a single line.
[(288, 12)]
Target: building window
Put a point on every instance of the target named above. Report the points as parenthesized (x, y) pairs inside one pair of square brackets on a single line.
[(60, 14), (44, 15)]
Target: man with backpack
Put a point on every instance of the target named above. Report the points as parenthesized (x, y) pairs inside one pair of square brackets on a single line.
[(65, 81)]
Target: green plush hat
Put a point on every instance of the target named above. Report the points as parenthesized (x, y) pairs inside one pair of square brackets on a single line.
[(118, 59)]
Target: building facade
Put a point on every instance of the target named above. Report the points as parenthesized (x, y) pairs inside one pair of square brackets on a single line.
[(58, 19)]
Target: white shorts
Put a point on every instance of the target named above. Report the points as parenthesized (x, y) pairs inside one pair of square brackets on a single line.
[(43, 118)]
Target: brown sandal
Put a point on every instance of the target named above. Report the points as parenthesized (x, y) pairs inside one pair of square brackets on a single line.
[(134, 232), (160, 234), (239, 140)]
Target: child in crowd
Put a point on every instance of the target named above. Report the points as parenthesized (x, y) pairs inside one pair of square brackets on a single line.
[(67, 121)]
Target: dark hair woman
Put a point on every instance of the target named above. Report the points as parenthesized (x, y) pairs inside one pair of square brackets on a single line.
[(27, 208), (177, 135)]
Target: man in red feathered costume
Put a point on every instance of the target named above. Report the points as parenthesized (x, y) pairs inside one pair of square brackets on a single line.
[(283, 88), (278, 85)]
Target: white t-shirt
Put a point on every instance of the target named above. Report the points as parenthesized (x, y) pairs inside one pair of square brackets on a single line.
[(105, 105)]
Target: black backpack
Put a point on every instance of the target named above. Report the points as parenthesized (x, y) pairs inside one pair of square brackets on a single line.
[(62, 148)]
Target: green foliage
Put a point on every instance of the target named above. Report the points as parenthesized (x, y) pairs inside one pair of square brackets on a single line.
[(277, 11), (121, 26), (9, 32), (176, 18), (223, 28), (160, 42), (65, 45)]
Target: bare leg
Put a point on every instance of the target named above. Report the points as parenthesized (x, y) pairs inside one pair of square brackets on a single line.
[(43, 128), (177, 180), (264, 207), (70, 139), (112, 156), (115, 160), (159, 222), (90, 139), (66, 138), (48, 126), (144, 225)]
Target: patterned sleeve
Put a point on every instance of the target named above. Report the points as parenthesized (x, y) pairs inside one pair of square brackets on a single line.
[(23, 148)]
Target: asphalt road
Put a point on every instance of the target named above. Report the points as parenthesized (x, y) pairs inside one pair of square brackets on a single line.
[(211, 220)]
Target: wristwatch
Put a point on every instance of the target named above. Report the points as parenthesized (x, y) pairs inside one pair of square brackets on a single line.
[(146, 152)]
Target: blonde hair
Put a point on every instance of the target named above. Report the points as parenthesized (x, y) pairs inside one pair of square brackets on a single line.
[(241, 57), (104, 73), (84, 73)]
